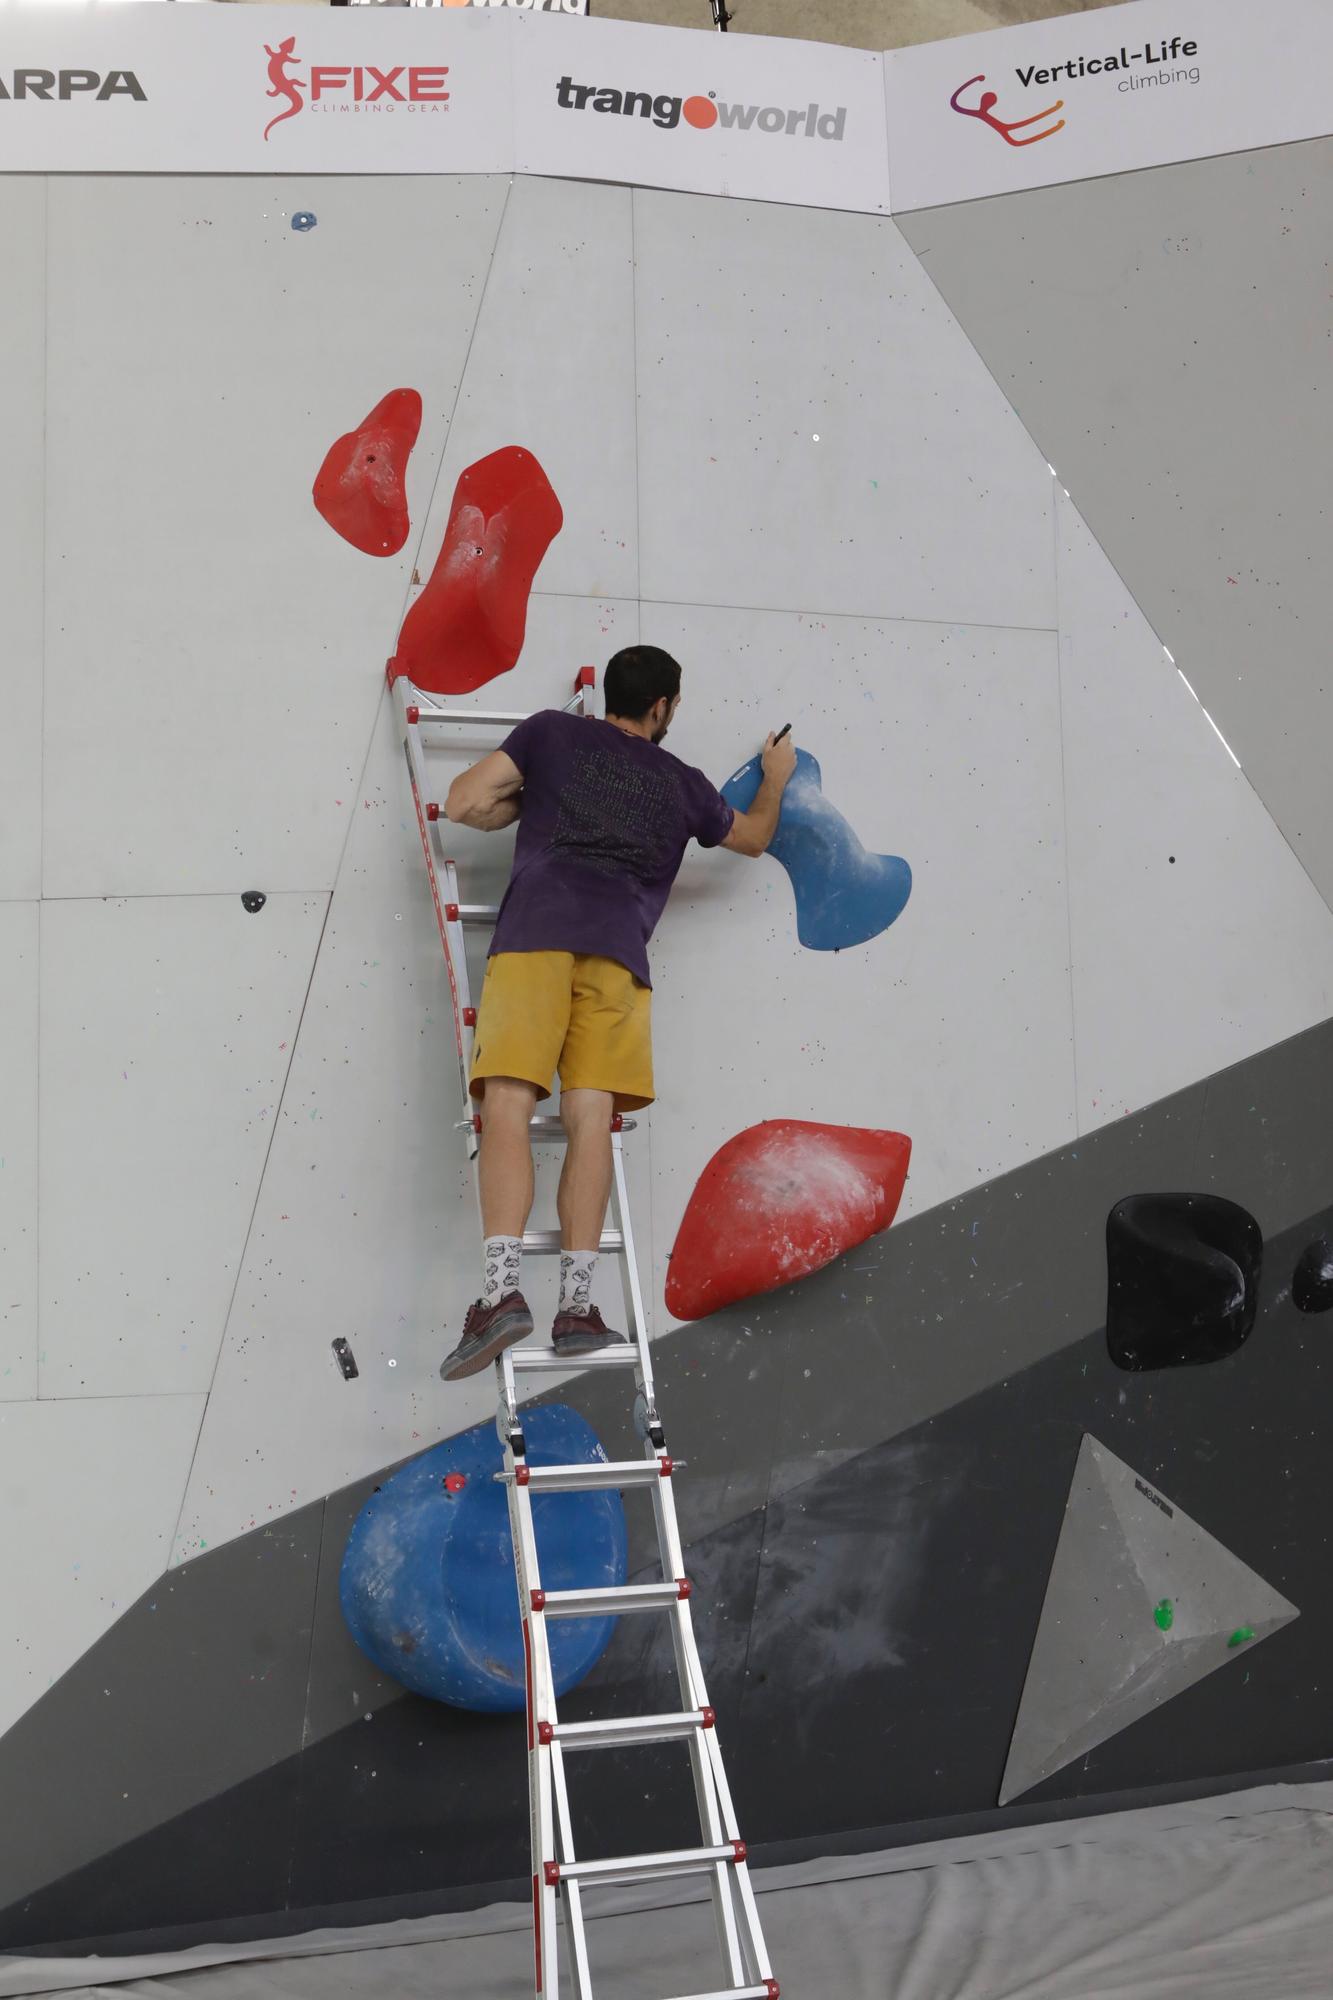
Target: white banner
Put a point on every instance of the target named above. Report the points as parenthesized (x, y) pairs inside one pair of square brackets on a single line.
[(751, 116), (467, 88), (378, 90), (243, 90), (1105, 92)]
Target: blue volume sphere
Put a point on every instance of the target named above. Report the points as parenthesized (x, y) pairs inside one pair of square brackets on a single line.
[(428, 1586)]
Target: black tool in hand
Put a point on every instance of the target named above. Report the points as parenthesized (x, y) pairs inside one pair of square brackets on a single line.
[(785, 730)]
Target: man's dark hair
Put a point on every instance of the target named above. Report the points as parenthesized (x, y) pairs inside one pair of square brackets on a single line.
[(638, 676)]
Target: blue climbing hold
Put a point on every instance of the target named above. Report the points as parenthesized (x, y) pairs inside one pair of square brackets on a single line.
[(304, 218), (844, 895), (428, 1588)]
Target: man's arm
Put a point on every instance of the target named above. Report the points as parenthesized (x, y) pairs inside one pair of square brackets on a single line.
[(752, 831), (488, 795)]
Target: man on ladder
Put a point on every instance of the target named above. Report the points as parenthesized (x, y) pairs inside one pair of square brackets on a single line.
[(604, 817)]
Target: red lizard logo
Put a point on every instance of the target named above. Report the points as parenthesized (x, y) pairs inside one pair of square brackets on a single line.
[(1006, 131), (282, 85)]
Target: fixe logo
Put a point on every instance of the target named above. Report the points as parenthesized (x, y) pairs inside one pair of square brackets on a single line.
[(61, 84), (701, 112), (1153, 56), (350, 86)]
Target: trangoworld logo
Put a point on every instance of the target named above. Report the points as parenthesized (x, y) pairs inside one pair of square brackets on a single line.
[(701, 112), (349, 87), (49, 84)]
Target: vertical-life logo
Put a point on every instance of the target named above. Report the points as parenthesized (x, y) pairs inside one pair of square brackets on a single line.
[(1160, 63), (350, 87)]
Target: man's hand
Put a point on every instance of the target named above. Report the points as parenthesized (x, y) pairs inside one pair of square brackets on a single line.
[(778, 759), (752, 831)]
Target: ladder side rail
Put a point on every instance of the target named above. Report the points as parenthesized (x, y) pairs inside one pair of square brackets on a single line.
[(569, 1889), (668, 1532), (465, 1014), (416, 779), (444, 896), (757, 1962), (629, 1273), (540, 1705), (712, 1820)]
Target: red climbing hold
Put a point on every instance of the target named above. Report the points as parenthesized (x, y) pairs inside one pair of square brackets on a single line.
[(360, 488), (467, 625), (778, 1201)]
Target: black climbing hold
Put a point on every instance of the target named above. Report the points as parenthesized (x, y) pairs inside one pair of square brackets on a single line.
[(1312, 1280), (253, 899), (1183, 1279), (347, 1362)]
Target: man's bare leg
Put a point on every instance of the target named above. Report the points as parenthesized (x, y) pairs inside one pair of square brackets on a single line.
[(500, 1316), (585, 1179), (585, 1188), (505, 1174)]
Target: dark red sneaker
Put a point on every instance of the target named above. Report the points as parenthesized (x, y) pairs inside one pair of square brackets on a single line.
[(583, 1333), (487, 1331)]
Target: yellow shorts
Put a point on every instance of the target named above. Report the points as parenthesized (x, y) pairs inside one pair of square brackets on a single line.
[(588, 1017)]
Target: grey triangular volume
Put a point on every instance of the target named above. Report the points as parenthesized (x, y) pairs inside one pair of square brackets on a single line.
[(1141, 1602)]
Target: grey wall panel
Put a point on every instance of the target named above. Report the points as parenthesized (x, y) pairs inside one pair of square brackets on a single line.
[(366, 1222), (90, 1492), (939, 742), (877, 1465), (815, 434), (1165, 337), (551, 367), (867, 1689), (197, 1686), (22, 530), (20, 929), (202, 618), (1175, 865), (168, 1025)]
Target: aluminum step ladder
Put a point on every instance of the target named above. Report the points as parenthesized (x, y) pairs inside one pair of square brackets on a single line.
[(557, 1872)]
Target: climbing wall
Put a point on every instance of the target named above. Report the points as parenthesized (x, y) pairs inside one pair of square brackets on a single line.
[(1025, 892)]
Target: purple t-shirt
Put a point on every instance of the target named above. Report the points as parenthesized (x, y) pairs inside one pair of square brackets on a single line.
[(605, 821)]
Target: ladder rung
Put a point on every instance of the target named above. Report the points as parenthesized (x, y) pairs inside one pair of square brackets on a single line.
[(650, 1867), (553, 1127), (544, 1241), (614, 1598), (542, 1128), (738, 1993), (427, 714), (584, 1478), (630, 1729), (546, 1357), (477, 913)]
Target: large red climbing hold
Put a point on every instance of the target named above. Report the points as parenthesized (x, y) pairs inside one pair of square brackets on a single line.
[(361, 487), (778, 1201), (467, 625)]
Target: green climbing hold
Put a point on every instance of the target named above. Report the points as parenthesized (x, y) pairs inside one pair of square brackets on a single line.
[(1164, 1617), (1240, 1635)]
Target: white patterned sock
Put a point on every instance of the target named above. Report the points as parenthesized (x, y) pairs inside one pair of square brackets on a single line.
[(504, 1267), (576, 1269)]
